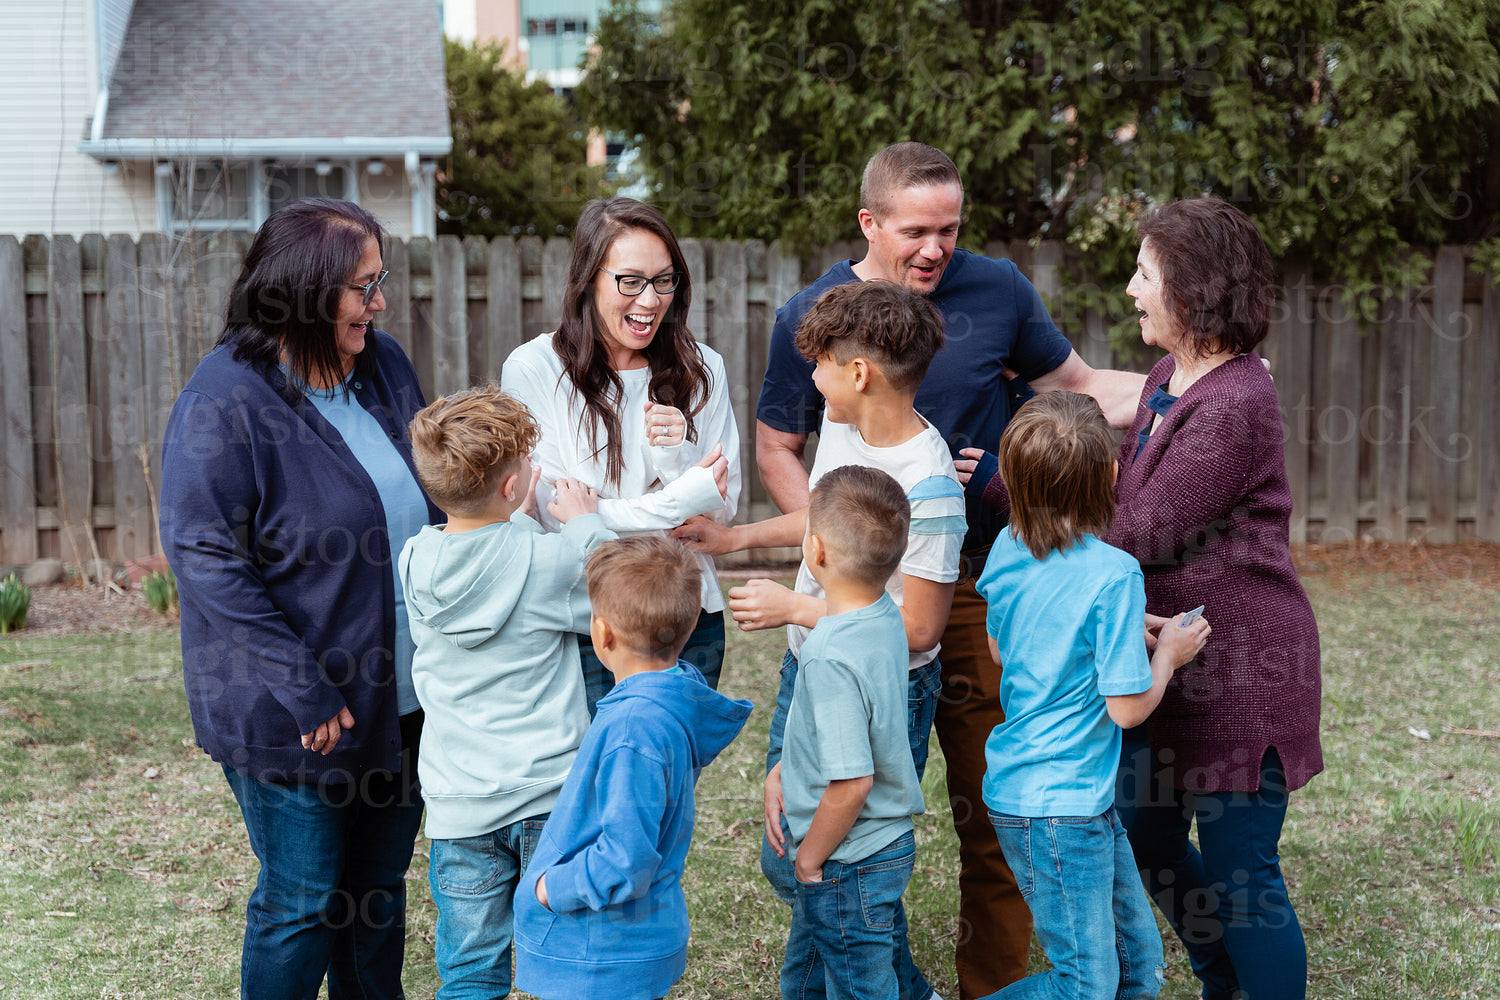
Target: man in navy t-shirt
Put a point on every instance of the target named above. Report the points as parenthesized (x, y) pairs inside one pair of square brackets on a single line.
[(911, 202)]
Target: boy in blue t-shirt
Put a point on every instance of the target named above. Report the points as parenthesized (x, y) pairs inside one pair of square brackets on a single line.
[(1066, 615), (849, 785)]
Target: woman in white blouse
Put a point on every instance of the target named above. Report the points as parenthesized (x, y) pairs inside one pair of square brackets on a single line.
[(630, 404)]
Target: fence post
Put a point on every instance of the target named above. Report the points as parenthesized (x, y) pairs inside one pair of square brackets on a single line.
[(502, 308), (70, 438), (731, 320), (1293, 329), (1340, 414), (1443, 442), (396, 320), (1487, 513), (450, 317), (127, 385), (17, 444), (554, 278)]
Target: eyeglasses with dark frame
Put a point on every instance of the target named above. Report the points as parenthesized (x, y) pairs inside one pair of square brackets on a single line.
[(635, 284), (370, 287)]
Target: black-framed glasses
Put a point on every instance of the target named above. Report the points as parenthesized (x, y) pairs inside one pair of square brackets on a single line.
[(635, 284), (370, 287)]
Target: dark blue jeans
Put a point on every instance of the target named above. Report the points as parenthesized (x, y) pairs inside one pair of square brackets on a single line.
[(922, 689), (1225, 897), (331, 895), (704, 650)]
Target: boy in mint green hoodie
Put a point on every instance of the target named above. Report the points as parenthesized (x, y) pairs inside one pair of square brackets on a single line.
[(495, 605)]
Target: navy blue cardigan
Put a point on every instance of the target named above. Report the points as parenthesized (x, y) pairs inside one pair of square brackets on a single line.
[(278, 539)]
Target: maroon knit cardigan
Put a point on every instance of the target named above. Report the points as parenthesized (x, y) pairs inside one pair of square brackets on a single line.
[(1205, 508)]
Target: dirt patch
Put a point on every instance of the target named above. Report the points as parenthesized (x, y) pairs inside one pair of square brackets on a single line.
[(72, 609), (1415, 565)]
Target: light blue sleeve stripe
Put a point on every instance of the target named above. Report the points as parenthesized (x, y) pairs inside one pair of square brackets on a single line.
[(933, 487), (951, 525)]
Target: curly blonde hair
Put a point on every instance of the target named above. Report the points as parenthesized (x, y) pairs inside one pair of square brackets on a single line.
[(466, 442)]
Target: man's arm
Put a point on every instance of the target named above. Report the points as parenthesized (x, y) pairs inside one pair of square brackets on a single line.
[(778, 454), (1118, 393)]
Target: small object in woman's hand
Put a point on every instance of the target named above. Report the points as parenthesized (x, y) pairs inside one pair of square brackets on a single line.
[(1190, 617)]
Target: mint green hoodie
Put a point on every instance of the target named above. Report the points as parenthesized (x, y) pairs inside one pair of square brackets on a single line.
[(495, 613)]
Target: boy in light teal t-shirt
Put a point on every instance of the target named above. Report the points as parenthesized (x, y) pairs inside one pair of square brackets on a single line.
[(849, 784)]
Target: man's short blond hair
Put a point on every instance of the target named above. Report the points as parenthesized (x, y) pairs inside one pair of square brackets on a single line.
[(464, 443), (649, 589), (901, 166), (863, 518)]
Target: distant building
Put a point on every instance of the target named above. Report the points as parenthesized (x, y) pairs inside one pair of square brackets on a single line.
[(121, 116)]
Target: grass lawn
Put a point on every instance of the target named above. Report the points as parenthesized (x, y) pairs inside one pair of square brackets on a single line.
[(124, 867)]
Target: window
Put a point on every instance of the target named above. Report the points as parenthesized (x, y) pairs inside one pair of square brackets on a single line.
[(285, 185), (210, 196)]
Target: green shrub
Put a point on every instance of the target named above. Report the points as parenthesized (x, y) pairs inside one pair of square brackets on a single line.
[(161, 591), (15, 598)]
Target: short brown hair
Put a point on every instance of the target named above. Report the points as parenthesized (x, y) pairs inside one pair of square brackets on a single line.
[(464, 443), (863, 517), (900, 166), (1216, 273), (1057, 460), (892, 326), (649, 590)]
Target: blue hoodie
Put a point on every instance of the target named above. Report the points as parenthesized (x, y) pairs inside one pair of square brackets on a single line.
[(614, 848)]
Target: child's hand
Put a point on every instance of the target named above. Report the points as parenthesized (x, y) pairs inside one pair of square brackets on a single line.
[(805, 876), (665, 425), (573, 499), (1182, 644), (528, 505), (702, 534), (1153, 626), (774, 808), (541, 890), (762, 604), (719, 465)]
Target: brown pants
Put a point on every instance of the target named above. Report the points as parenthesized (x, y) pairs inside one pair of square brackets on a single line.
[(994, 936)]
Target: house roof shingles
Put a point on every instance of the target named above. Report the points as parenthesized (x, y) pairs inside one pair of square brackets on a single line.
[(321, 70)]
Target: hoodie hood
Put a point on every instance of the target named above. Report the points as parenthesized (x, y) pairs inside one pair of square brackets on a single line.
[(442, 577), (710, 720)]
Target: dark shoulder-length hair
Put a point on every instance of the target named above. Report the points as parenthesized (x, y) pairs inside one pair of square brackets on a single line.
[(678, 375), (287, 296), (1216, 273)]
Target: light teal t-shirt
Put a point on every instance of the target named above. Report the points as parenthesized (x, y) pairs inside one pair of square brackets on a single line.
[(848, 720), (1070, 631), (405, 506)]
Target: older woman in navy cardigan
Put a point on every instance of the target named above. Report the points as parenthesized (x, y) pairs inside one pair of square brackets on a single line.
[(1203, 503), (287, 486)]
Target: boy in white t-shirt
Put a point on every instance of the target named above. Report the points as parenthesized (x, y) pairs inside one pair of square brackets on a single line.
[(872, 342)]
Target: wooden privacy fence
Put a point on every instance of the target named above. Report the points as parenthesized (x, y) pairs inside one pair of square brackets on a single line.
[(1391, 429)]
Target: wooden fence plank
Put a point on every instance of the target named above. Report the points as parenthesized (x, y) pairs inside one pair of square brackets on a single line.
[(1338, 423), (396, 320), (127, 384), (503, 316), (731, 320), (1293, 325), (1487, 515), (91, 249), (476, 285), (1442, 429), (17, 493), (185, 305), (1392, 416), (450, 321), (554, 279), (71, 439), (155, 257), (695, 256)]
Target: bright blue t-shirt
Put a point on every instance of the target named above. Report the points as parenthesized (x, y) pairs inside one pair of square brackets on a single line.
[(993, 318), (1070, 632), (405, 506)]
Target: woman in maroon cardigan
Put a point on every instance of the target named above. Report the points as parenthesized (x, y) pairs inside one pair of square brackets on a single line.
[(1203, 503)]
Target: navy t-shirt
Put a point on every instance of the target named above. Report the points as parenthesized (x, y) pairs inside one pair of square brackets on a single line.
[(993, 318)]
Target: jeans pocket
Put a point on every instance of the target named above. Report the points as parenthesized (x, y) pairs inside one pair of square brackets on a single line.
[(531, 832), (1014, 833), (466, 866), (881, 884)]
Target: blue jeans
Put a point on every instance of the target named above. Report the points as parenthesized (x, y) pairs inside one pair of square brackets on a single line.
[(473, 882), (704, 650), (843, 928), (330, 898), (1225, 898), (922, 689), (1087, 906)]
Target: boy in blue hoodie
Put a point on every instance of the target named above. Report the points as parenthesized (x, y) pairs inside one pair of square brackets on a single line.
[(600, 912), (495, 607)]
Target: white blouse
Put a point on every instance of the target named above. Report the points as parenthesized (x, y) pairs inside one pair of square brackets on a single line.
[(660, 486)]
